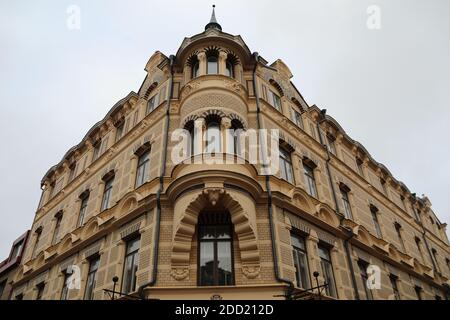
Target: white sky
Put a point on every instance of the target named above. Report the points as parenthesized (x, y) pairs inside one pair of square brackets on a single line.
[(388, 88)]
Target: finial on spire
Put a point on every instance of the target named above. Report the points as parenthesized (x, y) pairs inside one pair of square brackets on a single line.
[(213, 22)]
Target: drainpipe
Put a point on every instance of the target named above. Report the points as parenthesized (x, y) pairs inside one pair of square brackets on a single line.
[(269, 190), (152, 282), (336, 203)]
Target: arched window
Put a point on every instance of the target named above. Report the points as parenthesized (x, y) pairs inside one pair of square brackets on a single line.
[(213, 65), (190, 128), (195, 69), (213, 141), (229, 69), (238, 129), (215, 243)]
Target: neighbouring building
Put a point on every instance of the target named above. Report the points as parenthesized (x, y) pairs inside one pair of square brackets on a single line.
[(117, 205), (9, 267)]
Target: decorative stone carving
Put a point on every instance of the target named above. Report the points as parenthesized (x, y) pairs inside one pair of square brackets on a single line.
[(213, 194), (180, 273)]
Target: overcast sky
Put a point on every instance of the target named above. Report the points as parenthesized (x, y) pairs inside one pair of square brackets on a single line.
[(388, 88)]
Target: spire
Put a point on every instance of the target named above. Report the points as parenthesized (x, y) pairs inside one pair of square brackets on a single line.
[(213, 22)]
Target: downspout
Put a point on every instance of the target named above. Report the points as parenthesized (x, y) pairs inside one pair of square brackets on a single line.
[(152, 282), (269, 190), (336, 203)]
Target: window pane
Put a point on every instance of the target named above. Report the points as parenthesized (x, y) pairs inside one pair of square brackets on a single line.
[(213, 138), (224, 268), (212, 65), (207, 263)]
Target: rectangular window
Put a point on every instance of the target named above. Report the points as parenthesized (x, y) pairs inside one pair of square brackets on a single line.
[(331, 144), (142, 168), (36, 242), (83, 209), (398, 228), (345, 200), (297, 118), (131, 266), (310, 180), (363, 273), (40, 290), (65, 287), (107, 193), (275, 100), (152, 103), (72, 169), (376, 223), (359, 165), (327, 271), (300, 261), (418, 291), (2, 288), (91, 278), (215, 254), (394, 280), (120, 130), (384, 187), (96, 153), (55, 237), (286, 166), (435, 258)]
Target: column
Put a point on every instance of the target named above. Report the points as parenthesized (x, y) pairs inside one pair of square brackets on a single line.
[(222, 62), (202, 61)]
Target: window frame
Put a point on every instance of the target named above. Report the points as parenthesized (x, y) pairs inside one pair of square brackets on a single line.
[(64, 296), (346, 202), (295, 255), (135, 256), (143, 165), (374, 212), (216, 62), (89, 290), (40, 287), (393, 279), (285, 159), (310, 177), (215, 242), (363, 265), (83, 209), (329, 263), (57, 227), (107, 192)]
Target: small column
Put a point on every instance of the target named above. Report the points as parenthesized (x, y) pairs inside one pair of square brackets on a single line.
[(227, 146), (199, 144), (222, 62), (202, 61)]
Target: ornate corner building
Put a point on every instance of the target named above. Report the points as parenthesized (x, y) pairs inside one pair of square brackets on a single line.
[(117, 206)]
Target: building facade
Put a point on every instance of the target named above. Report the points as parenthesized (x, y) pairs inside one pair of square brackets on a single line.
[(220, 226), (10, 266)]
